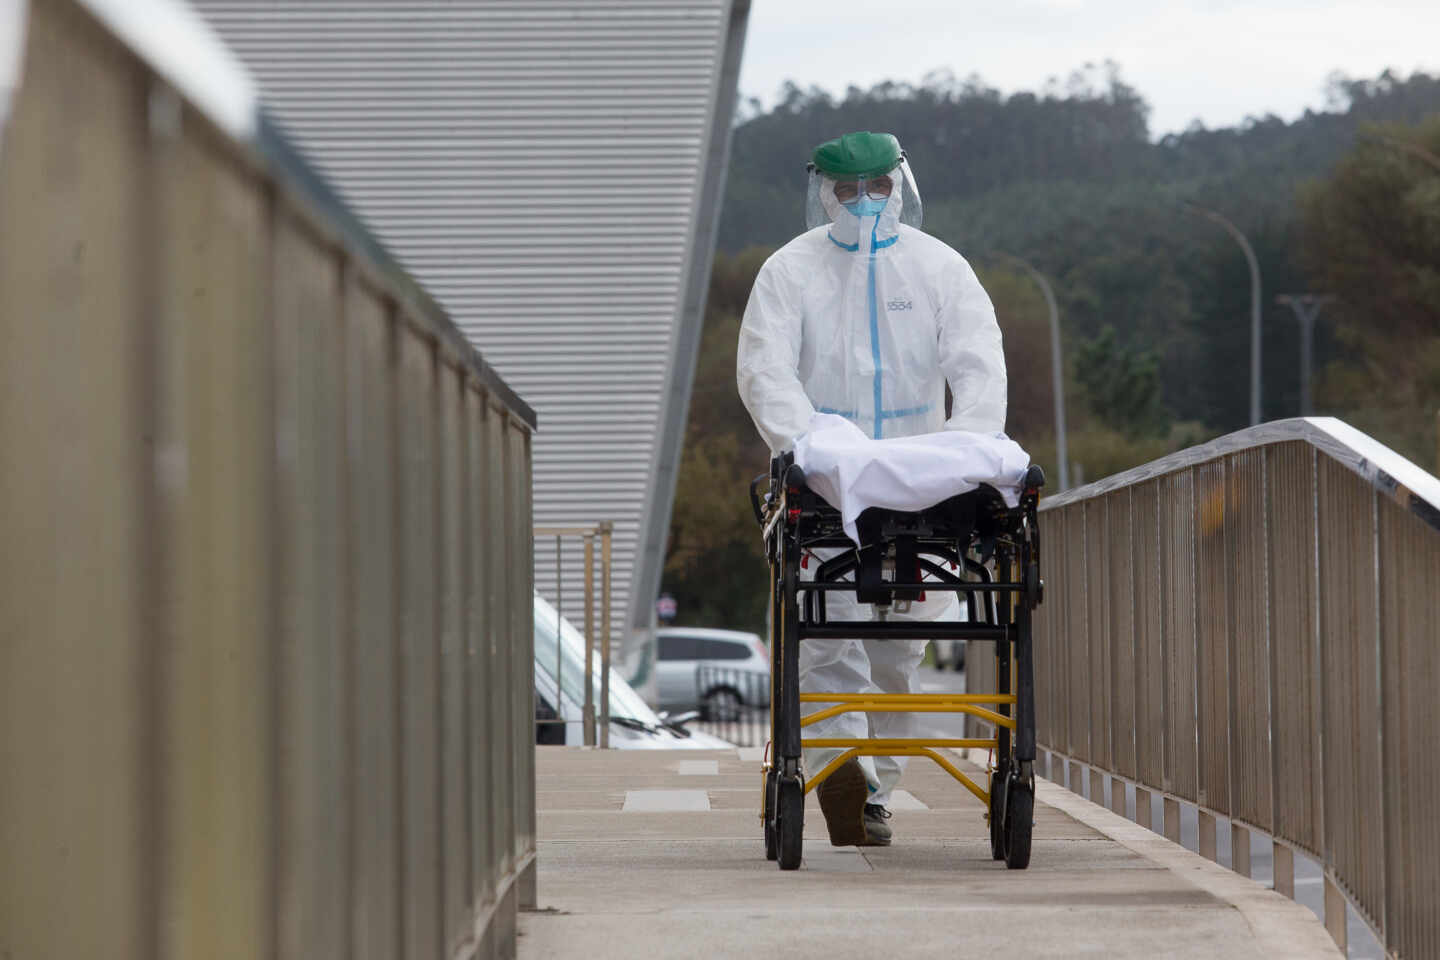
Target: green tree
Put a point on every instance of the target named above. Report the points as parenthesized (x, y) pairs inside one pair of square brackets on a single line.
[(1121, 386), (1372, 236)]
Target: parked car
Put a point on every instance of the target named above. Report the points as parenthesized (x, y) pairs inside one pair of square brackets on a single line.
[(718, 672), (949, 654), (633, 725)]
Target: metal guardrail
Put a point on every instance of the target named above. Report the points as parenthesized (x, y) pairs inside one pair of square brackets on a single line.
[(734, 704), (603, 531), (266, 585), (1252, 626)]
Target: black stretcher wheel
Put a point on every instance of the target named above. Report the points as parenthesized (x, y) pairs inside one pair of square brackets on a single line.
[(1019, 824), (772, 847), (790, 823), (997, 826)]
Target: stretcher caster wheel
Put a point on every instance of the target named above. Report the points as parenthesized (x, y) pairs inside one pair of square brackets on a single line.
[(790, 822), (1019, 823), (772, 848), (997, 817)]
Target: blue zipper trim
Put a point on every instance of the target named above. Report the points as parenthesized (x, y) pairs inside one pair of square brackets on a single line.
[(881, 414), (875, 332), (907, 412)]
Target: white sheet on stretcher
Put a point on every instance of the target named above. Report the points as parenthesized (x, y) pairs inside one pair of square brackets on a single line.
[(853, 472)]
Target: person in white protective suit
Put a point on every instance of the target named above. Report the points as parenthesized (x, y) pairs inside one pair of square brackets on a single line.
[(865, 316)]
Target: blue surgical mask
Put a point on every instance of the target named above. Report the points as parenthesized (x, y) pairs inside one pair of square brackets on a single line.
[(864, 206)]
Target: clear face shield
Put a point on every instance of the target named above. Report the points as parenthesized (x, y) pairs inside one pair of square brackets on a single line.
[(826, 197)]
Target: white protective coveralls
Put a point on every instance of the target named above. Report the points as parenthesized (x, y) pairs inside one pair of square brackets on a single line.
[(868, 318)]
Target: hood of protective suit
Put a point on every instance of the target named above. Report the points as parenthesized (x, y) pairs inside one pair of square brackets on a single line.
[(847, 227)]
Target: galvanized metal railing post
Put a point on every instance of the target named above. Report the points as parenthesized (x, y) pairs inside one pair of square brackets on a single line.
[(588, 535), (589, 640), (559, 619), (1298, 575), (299, 484), (606, 528)]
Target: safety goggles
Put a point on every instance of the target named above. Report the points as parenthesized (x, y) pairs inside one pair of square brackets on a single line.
[(876, 188)]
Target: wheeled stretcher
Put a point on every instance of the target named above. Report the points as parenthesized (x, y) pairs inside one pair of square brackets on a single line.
[(953, 546)]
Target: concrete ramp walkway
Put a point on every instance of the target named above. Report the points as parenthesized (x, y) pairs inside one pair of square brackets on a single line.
[(657, 854)]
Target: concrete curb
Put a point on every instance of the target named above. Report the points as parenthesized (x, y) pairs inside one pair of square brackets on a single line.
[(1284, 928)]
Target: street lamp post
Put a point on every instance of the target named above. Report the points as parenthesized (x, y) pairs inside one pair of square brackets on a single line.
[(1307, 309), (1234, 231), (1057, 372)]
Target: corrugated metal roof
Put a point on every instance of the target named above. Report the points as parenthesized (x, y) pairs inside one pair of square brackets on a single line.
[(544, 169)]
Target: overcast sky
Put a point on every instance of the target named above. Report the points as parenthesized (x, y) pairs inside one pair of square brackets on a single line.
[(1218, 61)]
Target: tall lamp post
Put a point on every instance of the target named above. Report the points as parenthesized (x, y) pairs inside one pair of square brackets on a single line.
[(1057, 373), (1307, 309), (1234, 231)]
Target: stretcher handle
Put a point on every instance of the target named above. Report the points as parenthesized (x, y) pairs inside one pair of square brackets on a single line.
[(755, 497)]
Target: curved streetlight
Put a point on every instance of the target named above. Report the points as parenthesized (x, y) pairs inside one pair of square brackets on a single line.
[(1056, 368), (1234, 231)]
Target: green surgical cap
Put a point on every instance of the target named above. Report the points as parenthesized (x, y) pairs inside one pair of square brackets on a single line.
[(861, 154)]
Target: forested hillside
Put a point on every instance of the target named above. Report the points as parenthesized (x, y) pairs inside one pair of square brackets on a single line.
[(1154, 300)]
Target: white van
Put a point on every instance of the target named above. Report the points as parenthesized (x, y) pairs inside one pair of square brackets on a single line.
[(633, 725)]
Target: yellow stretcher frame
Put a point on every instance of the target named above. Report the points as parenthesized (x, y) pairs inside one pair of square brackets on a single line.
[(973, 704)]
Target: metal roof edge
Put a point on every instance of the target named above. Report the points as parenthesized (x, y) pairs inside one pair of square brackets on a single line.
[(1392, 474), (689, 325)]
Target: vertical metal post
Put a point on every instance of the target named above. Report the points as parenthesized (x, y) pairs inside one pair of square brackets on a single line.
[(1307, 309), (1208, 848), (1284, 873), (559, 643), (589, 639), (1335, 914), (1239, 849), (1307, 341), (606, 527)]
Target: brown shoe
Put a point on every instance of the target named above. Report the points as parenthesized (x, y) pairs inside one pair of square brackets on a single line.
[(842, 798)]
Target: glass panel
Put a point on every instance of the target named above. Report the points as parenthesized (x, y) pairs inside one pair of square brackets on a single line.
[(679, 648), (723, 650)]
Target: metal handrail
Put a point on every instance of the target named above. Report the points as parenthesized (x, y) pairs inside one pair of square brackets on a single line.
[(1409, 485), (266, 605), (1250, 626), (603, 531)]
